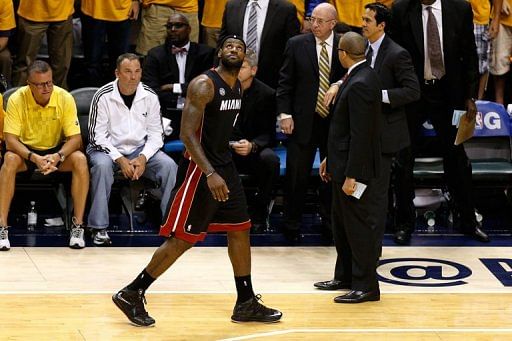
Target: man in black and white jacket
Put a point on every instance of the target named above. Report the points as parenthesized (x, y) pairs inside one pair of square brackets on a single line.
[(125, 132)]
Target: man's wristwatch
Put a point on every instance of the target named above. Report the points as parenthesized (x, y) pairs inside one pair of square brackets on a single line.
[(62, 156)]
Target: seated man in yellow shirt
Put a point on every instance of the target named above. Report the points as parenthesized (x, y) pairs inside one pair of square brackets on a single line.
[(2, 114), (42, 134)]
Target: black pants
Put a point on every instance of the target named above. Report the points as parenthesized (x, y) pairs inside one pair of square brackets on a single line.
[(434, 105)]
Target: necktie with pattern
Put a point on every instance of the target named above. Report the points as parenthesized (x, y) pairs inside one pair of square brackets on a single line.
[(324, 72), (434, 46)]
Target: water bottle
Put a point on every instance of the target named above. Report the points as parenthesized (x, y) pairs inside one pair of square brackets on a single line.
[(32, 217), (430, 217)]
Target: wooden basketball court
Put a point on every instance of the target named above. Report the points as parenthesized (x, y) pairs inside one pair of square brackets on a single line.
[(428, 293)]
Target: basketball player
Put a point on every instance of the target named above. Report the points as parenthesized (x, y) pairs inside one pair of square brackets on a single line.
[(210, 197)]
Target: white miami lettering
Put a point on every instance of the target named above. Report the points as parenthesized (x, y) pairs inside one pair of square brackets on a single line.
[(230, 104)]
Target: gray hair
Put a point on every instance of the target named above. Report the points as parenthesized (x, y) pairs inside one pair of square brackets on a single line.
[(251, 57), (38, 66)]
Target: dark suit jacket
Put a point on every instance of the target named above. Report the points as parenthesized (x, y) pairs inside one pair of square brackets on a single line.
[(281, 23), (298, 83), (257, 119), (460, 57), (160, 67), (397, 76), (354, 142)]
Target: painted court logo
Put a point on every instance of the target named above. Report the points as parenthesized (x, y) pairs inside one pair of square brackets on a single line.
[(422, 272)]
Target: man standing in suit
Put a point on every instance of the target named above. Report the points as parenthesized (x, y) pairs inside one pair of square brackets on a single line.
[(310, 65), (253, 136), (439, 36), (266, 26), (169, 68), (400, 86), (353, 160)]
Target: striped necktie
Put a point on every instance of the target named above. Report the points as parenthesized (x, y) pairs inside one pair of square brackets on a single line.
[(252, 28), (325, 70)]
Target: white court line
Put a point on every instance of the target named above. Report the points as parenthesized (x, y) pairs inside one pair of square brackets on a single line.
[(370, 330), (167, 292)]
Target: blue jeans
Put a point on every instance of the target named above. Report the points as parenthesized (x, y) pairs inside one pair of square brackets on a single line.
[(159, 168)]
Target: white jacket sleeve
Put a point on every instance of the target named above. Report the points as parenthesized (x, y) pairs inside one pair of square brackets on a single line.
[(154, 128), (99, 136)]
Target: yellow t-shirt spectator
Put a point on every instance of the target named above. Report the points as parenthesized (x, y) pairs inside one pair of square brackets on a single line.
[(46, 10), (481, 11), (185, 6), (350, 12), (7, 21), (212, 13), (38, 127), (2, 115), (109, 10)]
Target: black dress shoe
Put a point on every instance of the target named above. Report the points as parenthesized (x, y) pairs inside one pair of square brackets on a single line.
[(478, 235), (402, 237), (358, 297), (333, 284)]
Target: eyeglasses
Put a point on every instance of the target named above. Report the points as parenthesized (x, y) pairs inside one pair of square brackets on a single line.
[(175, 25), (319, 21), (42, 85)]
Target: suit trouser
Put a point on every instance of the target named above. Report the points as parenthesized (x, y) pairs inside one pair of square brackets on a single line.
[(60, 48), (356, 230), (299, 163), (159, 168), (434, 105)]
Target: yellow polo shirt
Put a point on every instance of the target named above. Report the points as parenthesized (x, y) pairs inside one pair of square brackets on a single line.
[(350, 12), (46, 10), (108, 10), (212, 13), (38, 127), (481, 11), (185, 6), (7, 21)]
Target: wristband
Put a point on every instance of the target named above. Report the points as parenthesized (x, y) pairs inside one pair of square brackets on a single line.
[(210, 174), (29, 155)]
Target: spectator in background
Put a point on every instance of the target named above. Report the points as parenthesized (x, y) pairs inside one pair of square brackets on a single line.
[(501, 47), (155, 14), (35, 18), (350, 12), (275, 21), (110, 20), (212, 21), (300, 6), (7, 23), (2, 115), (125, 132), (39, 115), (253, 137), (169, 68), (310, 65)]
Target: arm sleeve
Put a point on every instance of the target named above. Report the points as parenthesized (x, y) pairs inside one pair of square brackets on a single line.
[(98, 128), (154, 129)]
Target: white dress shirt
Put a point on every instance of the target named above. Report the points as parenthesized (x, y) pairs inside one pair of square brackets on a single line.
[(375, 47), (181, 59), (438, 14), (261, 11)]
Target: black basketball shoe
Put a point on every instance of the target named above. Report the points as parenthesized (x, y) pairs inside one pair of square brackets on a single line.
[(253, 311), (131, 303)]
